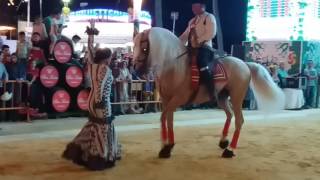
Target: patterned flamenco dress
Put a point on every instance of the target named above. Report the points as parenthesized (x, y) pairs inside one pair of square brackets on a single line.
[(96, 146)]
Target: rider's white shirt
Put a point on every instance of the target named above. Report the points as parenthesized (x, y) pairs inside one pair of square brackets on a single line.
[(205, 25)]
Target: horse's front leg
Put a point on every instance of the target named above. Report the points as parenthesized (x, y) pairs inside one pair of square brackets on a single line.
[(164, 129), (168, 144)]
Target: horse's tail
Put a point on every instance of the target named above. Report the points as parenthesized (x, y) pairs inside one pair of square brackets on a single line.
[(267, 93)]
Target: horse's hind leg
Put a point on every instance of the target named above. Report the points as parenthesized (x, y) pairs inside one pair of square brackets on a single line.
[(237, 97), (224, 103)]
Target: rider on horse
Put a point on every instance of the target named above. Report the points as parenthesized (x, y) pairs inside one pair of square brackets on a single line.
[(199, 34)]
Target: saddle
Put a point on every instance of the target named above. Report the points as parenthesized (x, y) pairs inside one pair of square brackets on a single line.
[(217, 70)]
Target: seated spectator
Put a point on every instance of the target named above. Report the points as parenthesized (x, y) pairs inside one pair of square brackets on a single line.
[(312, 83), (134, 107), (282, 74), (274, 74)]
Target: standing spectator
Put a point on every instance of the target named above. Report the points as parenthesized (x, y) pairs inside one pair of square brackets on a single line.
[(124, 78), (148, 91), (5, 59), (36, 92), (5, 55), (23, 49), (87, 80), (40, 28), (77, 47), (13, 71), (13, 67), (51, 24), (1, 42), (132, 71), (115, 86), (36, 53), (312, 80), (3, 75)]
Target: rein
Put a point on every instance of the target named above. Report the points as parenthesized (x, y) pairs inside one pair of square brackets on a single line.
[(181, 55)]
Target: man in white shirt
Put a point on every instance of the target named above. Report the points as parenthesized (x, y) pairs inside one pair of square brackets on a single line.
[(199, 34), (77, 46)]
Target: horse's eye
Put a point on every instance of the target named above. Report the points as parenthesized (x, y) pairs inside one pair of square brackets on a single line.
[(144, 50)]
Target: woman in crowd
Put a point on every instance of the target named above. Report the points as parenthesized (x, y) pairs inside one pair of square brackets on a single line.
[(124, 78), (96, 146)]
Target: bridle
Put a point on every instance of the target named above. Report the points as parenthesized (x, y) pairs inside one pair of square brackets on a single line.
[(144, 51), (144, 48)]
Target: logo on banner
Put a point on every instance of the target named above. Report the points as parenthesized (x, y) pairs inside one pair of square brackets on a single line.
[(49, 76), (62, 52), (82, 100), (61, 101), (74, 76)]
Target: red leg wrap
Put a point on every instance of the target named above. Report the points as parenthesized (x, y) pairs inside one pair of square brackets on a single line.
[(235, 139), (171, 136), (226, 128), (164, 133)]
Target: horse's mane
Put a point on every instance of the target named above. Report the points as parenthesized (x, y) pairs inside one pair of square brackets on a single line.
[(165, 48)]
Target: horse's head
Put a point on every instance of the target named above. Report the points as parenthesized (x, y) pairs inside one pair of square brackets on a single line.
[(156, 50), (141, 53)]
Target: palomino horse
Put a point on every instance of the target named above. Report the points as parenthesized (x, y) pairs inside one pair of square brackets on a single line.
[(160, 50)]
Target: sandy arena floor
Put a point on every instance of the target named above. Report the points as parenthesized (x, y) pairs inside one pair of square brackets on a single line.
[(286, 149)]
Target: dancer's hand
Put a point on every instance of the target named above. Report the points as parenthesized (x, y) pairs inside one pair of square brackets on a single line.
[(92, 30), (92, 23)]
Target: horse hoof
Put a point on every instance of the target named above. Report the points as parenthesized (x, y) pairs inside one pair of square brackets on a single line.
[(165, 152), (228, 154), (164, 155), (223, 144)]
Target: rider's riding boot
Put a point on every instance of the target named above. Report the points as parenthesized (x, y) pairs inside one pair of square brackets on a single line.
[(207, 80)]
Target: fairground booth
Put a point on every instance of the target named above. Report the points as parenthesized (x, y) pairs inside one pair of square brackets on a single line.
[(285, 32)]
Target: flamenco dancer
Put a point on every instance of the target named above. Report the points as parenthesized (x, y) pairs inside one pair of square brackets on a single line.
[(96, 146)]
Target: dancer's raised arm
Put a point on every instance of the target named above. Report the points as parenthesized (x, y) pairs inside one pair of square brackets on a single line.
[(91, 31)]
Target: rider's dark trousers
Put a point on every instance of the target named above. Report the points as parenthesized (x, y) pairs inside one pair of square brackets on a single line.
[(205, 55)]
